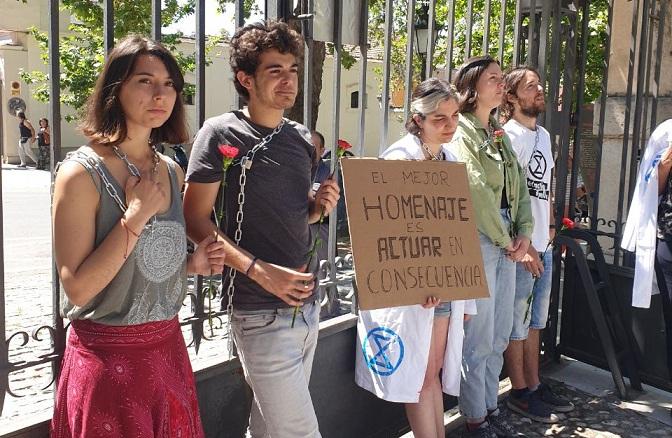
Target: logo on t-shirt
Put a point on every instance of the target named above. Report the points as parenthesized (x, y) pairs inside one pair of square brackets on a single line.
[(537, 165), (536, 170)]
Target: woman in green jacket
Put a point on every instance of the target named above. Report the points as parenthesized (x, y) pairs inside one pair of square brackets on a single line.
[(504, 218)]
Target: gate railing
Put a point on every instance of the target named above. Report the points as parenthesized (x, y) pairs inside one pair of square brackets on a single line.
[(540, 33)]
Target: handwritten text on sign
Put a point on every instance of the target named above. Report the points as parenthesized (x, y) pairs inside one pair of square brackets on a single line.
[(413, 232)]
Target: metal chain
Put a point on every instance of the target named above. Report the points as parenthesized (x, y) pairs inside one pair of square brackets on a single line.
[(432, 155), (534, 149), (133, 170), (245, 165), (109, 187)]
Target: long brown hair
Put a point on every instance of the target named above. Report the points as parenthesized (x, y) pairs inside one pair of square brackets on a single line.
[(104, 122), (467, 77)]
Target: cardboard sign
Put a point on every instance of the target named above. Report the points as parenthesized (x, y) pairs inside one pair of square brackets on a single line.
[(413, 232)]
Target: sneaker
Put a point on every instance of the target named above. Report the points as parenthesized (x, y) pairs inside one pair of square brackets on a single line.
[(21, 165), (530, 405), (483, 431), (556, 402), (501, 426)]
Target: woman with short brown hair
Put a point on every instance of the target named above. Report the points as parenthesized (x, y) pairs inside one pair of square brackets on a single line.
[(120, 248)]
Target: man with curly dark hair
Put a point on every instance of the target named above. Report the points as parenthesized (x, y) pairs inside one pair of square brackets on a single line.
[(268, 257)]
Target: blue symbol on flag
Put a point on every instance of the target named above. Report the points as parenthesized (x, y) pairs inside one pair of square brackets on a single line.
[(383, 351)]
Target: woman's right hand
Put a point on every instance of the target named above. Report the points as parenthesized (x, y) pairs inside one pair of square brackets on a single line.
[(144, 199), (431, 302)]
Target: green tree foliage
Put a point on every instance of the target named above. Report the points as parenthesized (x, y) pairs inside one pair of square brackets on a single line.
[(82, 54), (476, 18)]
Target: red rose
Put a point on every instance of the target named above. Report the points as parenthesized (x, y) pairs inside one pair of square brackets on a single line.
[(567, 223), (344, 145), (228, 151), (499, 133)]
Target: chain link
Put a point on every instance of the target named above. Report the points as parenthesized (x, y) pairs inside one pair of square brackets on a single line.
[(245, 165), (95, 164)]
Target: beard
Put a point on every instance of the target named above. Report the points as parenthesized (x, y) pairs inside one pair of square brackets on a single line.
[(532, 109)]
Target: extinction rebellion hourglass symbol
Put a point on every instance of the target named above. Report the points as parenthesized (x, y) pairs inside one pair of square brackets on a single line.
[(383, 351)]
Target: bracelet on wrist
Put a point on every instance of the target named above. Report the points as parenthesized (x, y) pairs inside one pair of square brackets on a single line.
[(124, 224), (252, 263)]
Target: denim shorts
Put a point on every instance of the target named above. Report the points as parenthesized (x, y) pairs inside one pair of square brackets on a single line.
[(532, 314), (442, 310)]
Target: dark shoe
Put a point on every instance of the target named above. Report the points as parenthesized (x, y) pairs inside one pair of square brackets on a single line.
[(531, 406), (501, 425), (483, 431), (556, 402)]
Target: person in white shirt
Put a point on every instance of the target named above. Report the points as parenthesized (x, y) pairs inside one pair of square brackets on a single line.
[(523, 102), (648, 230), (433, 331)]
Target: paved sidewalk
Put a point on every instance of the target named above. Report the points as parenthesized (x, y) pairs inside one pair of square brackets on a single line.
[(598, 413), (28, 296)]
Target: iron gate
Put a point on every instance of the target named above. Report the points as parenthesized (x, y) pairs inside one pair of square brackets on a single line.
[(550, 35)]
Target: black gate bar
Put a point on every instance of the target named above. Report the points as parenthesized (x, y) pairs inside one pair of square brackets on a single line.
[(659, 56), (450, 47), (467, 39), (410, 30), (626, 124), (580, 88), (502, 31), (599, 140), (200, 62), (108, 25), (486, 27), (387, 56), (430, 39), (156, 20), (363, 53)]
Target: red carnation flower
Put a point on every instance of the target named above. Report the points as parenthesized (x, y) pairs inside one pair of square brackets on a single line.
[(228, 151), (567, 223), (344, 145)]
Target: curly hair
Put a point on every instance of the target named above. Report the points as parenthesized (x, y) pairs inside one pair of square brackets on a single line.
[(467, 77), (426, 98), (104, 121), (250, 41), (512, 80)]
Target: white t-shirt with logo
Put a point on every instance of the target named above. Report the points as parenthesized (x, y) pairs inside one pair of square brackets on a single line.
[(535, 156)]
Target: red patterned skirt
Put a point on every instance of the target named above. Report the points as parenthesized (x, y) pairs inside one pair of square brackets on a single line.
[(131, 381)]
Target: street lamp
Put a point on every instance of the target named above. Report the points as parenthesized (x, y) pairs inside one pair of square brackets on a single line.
[(422, 36)]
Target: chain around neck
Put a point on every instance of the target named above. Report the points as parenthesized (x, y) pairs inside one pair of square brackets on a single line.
[(132, 168), (432, 155)]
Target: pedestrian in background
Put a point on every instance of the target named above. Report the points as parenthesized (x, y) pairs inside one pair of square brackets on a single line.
[(44, 145), (26, 139)]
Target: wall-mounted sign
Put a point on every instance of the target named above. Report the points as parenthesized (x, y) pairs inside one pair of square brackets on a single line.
[(15, 88), (16, 105)]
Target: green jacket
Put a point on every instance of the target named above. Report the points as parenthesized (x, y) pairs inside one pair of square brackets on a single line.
[(485, 170)]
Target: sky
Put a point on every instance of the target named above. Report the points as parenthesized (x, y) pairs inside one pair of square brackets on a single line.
[(214, 21)]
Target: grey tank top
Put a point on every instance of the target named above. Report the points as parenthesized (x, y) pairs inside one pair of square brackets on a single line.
[(151, 284)]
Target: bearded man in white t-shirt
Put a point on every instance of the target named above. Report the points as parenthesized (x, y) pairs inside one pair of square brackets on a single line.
[(523, 102)]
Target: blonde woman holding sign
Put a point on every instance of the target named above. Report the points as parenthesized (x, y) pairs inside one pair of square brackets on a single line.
[(408, 372)]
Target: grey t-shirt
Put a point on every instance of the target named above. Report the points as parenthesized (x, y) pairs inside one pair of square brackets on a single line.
[(152, 282), (275, 225)]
